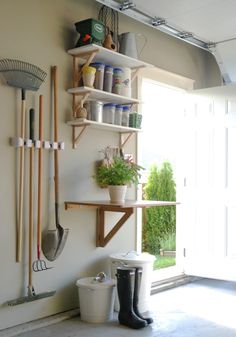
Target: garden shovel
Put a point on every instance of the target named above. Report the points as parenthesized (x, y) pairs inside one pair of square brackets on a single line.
[(53, 241)]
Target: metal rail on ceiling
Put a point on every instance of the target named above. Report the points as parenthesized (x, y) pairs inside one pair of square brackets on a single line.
[(129, 8)]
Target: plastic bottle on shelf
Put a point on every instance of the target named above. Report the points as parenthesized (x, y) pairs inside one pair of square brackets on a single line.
[(117, 81), (94, 110), (99, 75), (108, 78), (118, 114), (125, 115), (109, 113)]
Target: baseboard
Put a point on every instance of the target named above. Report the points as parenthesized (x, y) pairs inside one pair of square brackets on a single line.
[(39, 323), (171, 282)]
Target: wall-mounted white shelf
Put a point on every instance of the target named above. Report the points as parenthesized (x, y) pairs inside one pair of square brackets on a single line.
[(107, 56), (82, 124), (84, 55), (100, 95)]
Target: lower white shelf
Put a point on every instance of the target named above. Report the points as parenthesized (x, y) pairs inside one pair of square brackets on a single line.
[(103, 126)]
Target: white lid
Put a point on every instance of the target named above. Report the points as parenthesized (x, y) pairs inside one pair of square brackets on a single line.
[(133, 256), (90, 283)]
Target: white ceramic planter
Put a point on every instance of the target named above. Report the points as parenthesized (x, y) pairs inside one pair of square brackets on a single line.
[(117, 193)]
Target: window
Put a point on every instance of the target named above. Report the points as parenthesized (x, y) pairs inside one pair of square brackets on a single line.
[(163, 111)]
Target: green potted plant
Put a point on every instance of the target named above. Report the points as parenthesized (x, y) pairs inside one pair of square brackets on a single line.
[(116, 174)]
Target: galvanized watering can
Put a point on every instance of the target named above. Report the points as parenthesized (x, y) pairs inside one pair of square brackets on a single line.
[(128, 44)]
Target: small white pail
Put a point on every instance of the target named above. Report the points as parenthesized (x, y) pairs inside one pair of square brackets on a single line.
[(96, 299)]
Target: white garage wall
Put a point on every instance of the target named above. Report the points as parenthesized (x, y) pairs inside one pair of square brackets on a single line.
[(40, 32)]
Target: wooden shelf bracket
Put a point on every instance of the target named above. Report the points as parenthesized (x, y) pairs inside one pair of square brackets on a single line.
[(76, 138), (135, 73), (88, 56), (80, 102), (124, 138)]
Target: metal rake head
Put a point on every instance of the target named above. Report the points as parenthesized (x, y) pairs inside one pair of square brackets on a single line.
[(21, 74), (40, 265)]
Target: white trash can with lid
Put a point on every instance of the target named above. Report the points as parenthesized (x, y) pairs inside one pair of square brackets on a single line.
[(134, 259), (96, 299)]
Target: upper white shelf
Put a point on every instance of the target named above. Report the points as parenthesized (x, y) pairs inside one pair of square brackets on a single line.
[(107, 56), (104, 96)]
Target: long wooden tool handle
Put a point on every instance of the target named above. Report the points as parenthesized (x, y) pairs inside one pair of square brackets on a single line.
[(31, 193), (39, 216), (55, 117), (21, 182)]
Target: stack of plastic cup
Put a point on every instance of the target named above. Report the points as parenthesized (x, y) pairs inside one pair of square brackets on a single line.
[(88, 75)]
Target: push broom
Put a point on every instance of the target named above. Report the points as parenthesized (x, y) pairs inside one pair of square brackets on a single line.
[(24, 76)]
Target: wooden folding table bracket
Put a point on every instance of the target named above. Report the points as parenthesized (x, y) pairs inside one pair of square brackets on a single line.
[(105, 206), (101, 238)]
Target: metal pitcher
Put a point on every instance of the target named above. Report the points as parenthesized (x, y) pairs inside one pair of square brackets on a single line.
[(128, 44)]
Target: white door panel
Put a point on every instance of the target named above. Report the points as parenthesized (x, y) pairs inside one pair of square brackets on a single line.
[(209, 203), (231, 232)]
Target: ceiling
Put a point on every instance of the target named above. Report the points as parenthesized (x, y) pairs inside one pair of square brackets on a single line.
[(211, 24)]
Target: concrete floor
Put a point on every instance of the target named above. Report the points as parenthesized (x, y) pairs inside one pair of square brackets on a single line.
[(203, 308)]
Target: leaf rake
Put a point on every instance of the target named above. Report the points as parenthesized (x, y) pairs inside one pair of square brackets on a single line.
[(23, 75)]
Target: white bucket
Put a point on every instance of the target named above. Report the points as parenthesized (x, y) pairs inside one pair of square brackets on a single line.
[(133, 259), (126, 82), (96, 299)]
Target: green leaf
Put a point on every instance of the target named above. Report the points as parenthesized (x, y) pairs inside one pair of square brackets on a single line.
[(118, 172)]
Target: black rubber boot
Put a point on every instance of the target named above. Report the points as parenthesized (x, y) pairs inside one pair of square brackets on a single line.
[(138, 277), (125, 288)]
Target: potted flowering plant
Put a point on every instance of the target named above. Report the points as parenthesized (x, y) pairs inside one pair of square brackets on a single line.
[(116, 174)]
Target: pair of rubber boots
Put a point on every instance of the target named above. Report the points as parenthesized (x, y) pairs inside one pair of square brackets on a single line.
[(128, 285)]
